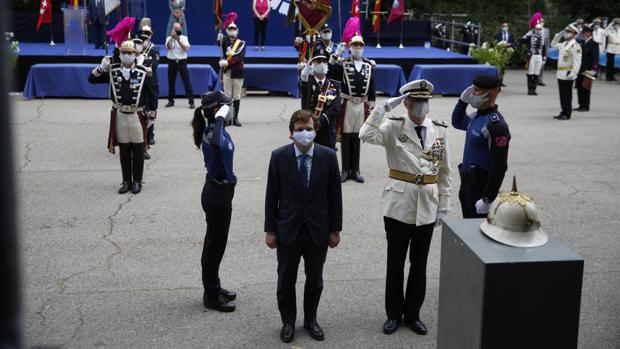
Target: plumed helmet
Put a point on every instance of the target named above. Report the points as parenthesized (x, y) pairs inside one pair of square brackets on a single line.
[(213, 99), (357, 39), (127, 46), (513, 220)]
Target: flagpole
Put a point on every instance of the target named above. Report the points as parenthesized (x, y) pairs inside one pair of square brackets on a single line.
[(401, 33), (339, 19), (52, 43), (379, 32)]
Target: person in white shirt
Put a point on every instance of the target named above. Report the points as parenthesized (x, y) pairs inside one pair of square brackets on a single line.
[(569, 63), (178, 45), (598, 34), (612, 32)]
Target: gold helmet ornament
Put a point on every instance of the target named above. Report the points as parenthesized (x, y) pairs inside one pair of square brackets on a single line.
[(357, 39), (127, 46), (513, 220)]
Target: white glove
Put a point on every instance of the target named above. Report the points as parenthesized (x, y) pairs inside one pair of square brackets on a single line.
[(307, 71), (466, 95), (301, 65), (441, 215), (223, 63), (482, 207), (298, 40), (394, 102), (105, 64), (222, 112), (340, 49), (228, 51), (371, 104), (220, 36)]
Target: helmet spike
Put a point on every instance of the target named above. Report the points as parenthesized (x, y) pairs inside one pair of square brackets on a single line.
[(514, 185)]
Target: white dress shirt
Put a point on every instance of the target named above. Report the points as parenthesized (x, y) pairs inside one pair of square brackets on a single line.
[(177, 52)]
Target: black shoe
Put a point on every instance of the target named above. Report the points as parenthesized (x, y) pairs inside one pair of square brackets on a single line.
[(564, 117), (136, 187), (558, 116), (541, 84), (287, 333), (358, 177), (236, 122), (170, 104), (344, 176), (124, 188), (419, 327), (219, 303), (191, 105), (582, 109), (316, 332), (390, 326), (503, 85), (147, 156), (230, 296)]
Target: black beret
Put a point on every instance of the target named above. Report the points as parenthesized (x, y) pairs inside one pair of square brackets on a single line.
[(586, 28), (212, 99), (487, 81)]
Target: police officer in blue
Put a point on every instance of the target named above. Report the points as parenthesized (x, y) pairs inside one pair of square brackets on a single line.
[(486, 146), (217, 193)]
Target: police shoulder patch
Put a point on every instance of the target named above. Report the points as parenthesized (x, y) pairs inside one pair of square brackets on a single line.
[(440, 123), (494, 117)]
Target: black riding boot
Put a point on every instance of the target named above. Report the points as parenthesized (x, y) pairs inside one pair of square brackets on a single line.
[(534, 84), (355, 158), (345, 156), (125, 156), (236, 118), (138, 166)]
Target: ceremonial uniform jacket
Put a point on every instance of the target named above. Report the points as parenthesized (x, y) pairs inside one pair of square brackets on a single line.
[(599, 35), (589, 55), (404, 201), (535, 43), (234, 58), (359, 84), (126, 94), (569, 58), (326, 134), (613, 39), (486, 145)]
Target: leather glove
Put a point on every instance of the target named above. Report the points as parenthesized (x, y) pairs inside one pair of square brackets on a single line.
[(340, 49), (394, 102), (105, 64), (482, 207), (223, 63), (222, 112), (220, 36), (441, 215)]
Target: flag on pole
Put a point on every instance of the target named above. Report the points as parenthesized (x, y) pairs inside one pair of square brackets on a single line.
[(111, 5), (355, 8), (45, 13), (376, 17), (314, 13), (397, 13), (217, 11)]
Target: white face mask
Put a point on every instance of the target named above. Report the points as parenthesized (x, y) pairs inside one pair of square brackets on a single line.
[(232, 33), (127, 58), (478, 101), (326, 36), (420, 109), (320, 68), (568, 36), (504, 29), (304, 137), (139, 48), (356, 52)]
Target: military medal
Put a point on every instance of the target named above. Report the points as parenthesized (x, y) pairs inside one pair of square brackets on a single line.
[(403, 138)]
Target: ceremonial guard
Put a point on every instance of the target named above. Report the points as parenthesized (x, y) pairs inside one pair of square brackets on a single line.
[(612, 33), (587, 71), (326, 39), (321, 96), (233, 51), (150, 59), (535, 56), (358, 98), (569, 63), (485, 156), (598, 34), (127, 120), (416, 196)]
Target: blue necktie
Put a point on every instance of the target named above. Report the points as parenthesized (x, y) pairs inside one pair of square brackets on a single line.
[(303, 171)]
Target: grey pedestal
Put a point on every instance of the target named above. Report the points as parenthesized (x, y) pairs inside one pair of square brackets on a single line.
[(497, 296)]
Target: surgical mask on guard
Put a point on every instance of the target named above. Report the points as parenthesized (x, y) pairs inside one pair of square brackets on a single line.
[(304, 137), (326, 36), (420, 109), (127, 58), (320, 68), (478, 101), (356, 52)]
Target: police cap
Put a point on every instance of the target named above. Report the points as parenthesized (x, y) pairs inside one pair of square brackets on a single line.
[(486, 81), (213, 99)]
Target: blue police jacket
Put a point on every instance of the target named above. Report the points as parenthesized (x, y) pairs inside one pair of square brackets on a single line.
[(218, 150)]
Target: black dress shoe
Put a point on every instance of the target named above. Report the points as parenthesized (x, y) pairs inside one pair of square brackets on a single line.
[(390, 326), (558, 116), (582, 109), (419, 327), (192, 106), (358, 177), (316, 332), (136, 187), (147, 156), (219, 303), (541, 84), (563, 117), (170, 104), (124, 188), (231, 296), (236, 122), (344, 176), (287, 333)]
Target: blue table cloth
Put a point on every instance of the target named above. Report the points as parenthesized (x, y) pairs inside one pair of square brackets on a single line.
[(602, 59), (71, 80), (450, 79)]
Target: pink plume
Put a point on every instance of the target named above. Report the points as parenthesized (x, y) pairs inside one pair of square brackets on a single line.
[(534, 19), (229, 18), (351, 29), (120, 32)]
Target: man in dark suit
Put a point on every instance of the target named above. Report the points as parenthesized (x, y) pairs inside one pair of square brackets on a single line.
[(505, 35), (96, 21), (303, 216), (589, 65)]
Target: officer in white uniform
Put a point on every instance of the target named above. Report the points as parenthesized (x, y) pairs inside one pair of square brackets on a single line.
[(416, 196), (569, 62), (612, 33)]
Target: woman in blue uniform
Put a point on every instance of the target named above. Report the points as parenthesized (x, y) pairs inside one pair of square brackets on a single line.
[(217, 193)]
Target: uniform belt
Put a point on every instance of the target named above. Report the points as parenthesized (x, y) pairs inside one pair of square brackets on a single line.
[(565, 68), (353, 98), (127, 108), (413, 178)]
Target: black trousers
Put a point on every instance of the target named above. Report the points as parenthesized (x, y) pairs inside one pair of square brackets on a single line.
[(566, 96), (132, 161), (216, 201), (181, 67), (610, 70), (473, 181), (350, 152), (583, 95), (288, 263), (400, 238), (260, 29), (97, 33)]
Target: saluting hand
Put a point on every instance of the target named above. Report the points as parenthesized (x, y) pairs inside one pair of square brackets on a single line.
[(334, 239)]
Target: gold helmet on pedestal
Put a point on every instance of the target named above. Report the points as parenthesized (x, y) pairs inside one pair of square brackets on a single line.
[(513, 220)]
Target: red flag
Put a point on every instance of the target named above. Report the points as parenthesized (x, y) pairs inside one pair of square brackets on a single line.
[(217, 11), (355, 8), (376, 17), (314, 13), (398, 11), (45, 13)]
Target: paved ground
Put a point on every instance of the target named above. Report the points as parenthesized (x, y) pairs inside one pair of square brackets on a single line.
[(118, 271)]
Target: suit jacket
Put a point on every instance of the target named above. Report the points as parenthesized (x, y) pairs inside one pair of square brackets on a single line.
[(96, 12), (287, 207), (326, 134), (511, 38), (589, 56)]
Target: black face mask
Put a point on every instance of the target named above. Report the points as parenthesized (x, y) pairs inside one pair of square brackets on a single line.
[(179, 33)]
